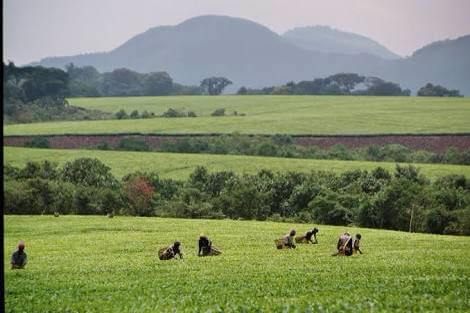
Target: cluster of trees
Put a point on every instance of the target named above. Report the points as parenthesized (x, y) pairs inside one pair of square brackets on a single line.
[(88, 82), (430, 90), (338, 84), (37, 94), (284, 146), (402, 200)]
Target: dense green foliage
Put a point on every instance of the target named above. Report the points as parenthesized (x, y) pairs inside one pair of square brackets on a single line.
[(33, 94), (271, 115), (338, 84), (38, 142), (214, 85), (283, 146), (97, 264), (181, 165), (431, 90), (88, 82), (401, 200)]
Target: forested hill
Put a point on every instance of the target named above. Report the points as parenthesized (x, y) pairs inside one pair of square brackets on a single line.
[(444, 62), (329, 40), (252, 55)]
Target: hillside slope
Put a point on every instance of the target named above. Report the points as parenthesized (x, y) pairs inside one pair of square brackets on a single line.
[(329, 40)]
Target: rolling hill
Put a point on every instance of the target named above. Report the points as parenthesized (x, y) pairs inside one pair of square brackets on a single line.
[(329, 40), (252, 55)]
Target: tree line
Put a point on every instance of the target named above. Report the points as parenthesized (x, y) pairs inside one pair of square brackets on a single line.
[(347, 84), (402, 200), (88, 82)]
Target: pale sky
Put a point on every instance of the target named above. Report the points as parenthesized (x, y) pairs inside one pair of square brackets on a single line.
[(34, 29)]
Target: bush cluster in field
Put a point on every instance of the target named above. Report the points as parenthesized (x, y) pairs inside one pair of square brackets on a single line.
[(171, 113), (403, 200), (284, 146)]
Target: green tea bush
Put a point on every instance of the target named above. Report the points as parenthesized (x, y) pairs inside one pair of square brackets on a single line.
[(121, 115), (174, 113), (284, 146), (218, 112), (38, 142), (128, 144)]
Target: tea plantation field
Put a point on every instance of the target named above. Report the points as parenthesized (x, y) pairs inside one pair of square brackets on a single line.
[(97, 264), (270, 115), (180, 165)]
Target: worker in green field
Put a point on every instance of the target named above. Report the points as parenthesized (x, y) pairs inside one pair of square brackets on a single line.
[(206, 248), (356, 243), (19, 257), (344, 245), (170, 252), (286, 241), (307, 237)]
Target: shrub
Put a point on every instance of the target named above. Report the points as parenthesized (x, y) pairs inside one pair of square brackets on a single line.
[(121, 115), (89, 172), (103, 146), (192, 114), (327, 210), (134, 114), (146, 114), (85, 201), (44, 170), (17, 199), (128, 144), (437, 220), (218, 112), (38, 142), (109, 201), (139, 194), (173, 113)]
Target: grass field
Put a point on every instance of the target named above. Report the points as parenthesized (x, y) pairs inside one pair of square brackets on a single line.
[(180, 165), (96, 264), (271, 114)]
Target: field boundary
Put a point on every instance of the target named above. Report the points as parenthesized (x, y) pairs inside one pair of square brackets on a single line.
[(243, 134), (429, 142)]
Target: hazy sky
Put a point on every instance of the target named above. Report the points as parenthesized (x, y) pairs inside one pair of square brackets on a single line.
[(34, 29)]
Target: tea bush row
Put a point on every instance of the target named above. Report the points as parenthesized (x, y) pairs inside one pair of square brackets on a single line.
[(284, 146)]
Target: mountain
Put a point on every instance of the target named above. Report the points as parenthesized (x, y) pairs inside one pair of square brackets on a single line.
[(446, 63), (329, 40), (252, 55)]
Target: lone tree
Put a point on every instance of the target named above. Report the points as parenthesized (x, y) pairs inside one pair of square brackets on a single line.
[(215, 85)]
